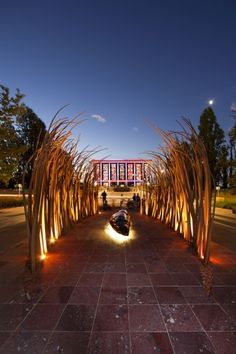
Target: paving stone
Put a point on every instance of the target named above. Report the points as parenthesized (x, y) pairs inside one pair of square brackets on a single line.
[(224, 342), (109, 342), (180, 318), (195, 295), (114, 280), (77, 318), (169, 295), (213, 318), (145, 318), (68, 342), (113, 295), (138, 279), (141, 295), (191, 342), (150, 343), (111, 318), (26, 342), (43, 317), (4, 336), (224, 294), (57, 295), (11, 315), (88, 279), (84, 295), (136, 268)]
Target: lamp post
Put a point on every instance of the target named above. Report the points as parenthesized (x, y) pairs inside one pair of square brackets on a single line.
[(19, 188)]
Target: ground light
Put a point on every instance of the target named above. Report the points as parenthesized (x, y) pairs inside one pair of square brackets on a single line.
[(118, 238)]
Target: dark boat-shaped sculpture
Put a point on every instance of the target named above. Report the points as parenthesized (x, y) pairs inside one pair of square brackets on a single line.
[(120, 222)]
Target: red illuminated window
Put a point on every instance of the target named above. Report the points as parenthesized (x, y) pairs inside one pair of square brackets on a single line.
[(122, 171), (138, 171), (113, 172), (105, 171), (130, 171)]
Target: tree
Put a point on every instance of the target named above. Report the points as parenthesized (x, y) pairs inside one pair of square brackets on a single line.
[(31, 130), (232, 162), (213, 138), (11, 109)]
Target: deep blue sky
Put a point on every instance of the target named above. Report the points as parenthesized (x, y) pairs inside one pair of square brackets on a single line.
[(122, 60)]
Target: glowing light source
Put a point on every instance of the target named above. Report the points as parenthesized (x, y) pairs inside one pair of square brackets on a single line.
[(211, 102), (118, 237), (42, 257)]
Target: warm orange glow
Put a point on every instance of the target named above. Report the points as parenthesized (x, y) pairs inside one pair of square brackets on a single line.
[(118, 237), (215, 260), (42, 257), (56, 228), (41, 242), (52, 240), (43, 235), (191, 224)]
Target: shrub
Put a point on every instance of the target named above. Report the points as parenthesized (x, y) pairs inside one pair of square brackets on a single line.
[(121, 189), (10, 202)]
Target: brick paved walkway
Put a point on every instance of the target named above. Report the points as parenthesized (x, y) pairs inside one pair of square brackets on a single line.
[(96, 296)]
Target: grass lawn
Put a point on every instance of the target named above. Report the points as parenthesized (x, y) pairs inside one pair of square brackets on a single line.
[(227, 201)]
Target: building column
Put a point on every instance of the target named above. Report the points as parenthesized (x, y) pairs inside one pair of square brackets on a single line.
[(109, 174), (117, 173), (126, 172), (100, 173)]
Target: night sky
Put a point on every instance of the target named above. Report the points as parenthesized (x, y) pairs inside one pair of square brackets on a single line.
[(121, 62)]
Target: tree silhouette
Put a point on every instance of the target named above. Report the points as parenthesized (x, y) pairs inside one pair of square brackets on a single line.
[(213, 138), (11, 108), (31, 131)]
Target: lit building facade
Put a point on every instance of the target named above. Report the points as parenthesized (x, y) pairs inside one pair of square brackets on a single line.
[(121, 172)]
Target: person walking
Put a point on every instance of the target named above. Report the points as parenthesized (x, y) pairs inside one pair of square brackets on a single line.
[(138, 199), (104, 198)]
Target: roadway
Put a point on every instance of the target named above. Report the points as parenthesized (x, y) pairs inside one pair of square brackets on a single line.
[(224, 228), (13, 229)]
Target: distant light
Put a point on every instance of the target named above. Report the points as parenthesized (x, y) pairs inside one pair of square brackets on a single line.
[(43, 256), (211, 102)]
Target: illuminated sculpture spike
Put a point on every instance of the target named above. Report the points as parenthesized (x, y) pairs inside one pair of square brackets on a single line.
[(182, 194), (120, 222), (56, 196)]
